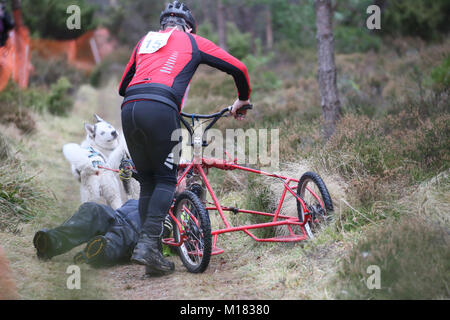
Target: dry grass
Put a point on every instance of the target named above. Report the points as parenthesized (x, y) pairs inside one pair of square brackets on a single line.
[(336, 186), (41, 155), (5, 148), (412, 252)]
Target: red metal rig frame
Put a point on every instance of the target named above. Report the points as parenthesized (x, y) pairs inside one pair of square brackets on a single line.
[(203, 167)]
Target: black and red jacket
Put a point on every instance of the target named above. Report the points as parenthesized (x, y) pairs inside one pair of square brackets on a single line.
[(165, 75)]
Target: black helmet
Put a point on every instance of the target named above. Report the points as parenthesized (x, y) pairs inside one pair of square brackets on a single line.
[(178, 13)]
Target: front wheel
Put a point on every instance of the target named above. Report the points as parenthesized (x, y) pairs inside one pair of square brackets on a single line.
[(313, 191), (195, 252)]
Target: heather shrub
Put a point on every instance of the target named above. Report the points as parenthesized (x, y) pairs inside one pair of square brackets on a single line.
[(388, 153), (413, 258), (14, 109), (47, 72), (21, 197)]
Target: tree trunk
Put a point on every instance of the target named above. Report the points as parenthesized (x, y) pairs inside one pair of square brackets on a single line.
[(331, 106), (221, 25), (17, 14), (16, 4), (269, 29)]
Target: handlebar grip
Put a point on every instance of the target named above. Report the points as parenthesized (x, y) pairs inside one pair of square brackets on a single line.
[(246, 107)]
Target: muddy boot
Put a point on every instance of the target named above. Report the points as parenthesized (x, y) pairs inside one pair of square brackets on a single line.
[(96, 253), (44, 244), (148, 252)]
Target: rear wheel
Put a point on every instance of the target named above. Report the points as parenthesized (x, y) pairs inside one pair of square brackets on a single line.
[(314, 193), (195, 252)]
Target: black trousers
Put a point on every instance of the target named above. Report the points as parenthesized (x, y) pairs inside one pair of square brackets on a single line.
[(150, 132), (93, 219)]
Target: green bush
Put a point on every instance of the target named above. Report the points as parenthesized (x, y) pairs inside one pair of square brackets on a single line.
[(418, 18), (262, 77), (355, 39), (206, 30), (239, 43), (268, 80), (294, 21), (441, 75), (59, 100), (256, 62), (95, 79)]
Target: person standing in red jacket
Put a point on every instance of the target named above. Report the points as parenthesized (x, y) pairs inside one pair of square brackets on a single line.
[(154, 85)]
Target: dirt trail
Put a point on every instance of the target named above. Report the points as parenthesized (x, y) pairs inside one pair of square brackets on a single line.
[(247, 270), (218, 282), (239, 274)]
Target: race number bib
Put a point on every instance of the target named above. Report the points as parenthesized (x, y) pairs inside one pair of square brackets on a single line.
[(154, 41)]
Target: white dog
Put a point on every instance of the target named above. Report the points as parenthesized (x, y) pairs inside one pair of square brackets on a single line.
[(103, 147), (101, 136)]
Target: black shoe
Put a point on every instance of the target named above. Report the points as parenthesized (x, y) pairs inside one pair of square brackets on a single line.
[(147, 252), (43, 246), (95, 252)]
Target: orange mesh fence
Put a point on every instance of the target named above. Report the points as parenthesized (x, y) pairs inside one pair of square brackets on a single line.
[(83, 53), (15, 55), (77, 52), (6, 64)]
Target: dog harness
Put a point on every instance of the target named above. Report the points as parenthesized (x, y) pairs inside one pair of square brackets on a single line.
[(94, 153)]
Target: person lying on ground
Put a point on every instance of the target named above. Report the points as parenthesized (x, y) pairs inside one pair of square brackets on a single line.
[(111, 235)]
